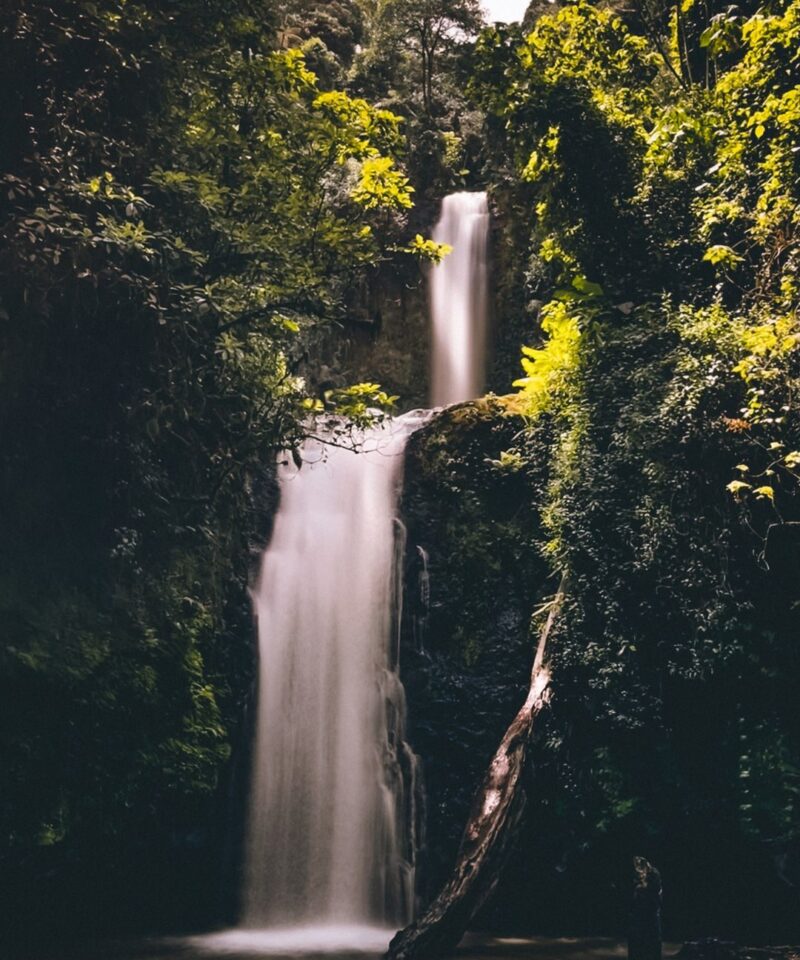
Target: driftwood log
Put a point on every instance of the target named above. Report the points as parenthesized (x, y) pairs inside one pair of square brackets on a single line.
[(644, 936), (490, 831)]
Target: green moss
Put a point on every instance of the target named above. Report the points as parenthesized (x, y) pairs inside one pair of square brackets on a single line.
[(470, 500)]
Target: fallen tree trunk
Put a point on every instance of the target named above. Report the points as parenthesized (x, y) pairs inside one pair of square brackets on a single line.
[(490, 831)]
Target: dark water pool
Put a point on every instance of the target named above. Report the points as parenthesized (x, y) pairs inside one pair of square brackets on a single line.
[(229, 947)]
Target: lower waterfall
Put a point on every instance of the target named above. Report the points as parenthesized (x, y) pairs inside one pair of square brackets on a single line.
[(330, 832)]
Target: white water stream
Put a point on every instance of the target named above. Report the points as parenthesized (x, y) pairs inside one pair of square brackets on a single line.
[(459, 300), (328, 839), (329, 852)]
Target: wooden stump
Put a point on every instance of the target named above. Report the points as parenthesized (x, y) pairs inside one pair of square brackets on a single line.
[(644, 937)]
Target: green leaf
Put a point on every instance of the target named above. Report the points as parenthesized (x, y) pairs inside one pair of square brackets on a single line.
[(587, 287), (722, 255), (738, 487), (428, 249)]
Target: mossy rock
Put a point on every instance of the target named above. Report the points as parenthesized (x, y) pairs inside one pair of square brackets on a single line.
[(470, 504)]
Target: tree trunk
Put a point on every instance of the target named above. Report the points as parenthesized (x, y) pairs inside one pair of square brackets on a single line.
[(490, 830), (427, 87), (644, 938)]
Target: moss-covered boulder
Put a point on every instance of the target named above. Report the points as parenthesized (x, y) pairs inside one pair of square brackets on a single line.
[(473, 578)]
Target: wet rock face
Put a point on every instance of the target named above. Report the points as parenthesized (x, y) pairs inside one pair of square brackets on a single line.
[(383, 338), (473, 576)]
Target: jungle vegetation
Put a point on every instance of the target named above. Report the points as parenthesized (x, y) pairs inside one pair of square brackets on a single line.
[(190, 194), (652, 155)]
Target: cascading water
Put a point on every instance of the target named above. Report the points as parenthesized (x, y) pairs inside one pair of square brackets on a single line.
[(459, 300), (333, 821), (329, 839)]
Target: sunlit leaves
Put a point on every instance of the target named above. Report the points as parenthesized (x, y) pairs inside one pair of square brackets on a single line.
[(428, 250), (361, 404), (367, 128), (381, 184), (550, 370), (722, 255), (723, 34), (542, 160), (737, 487)]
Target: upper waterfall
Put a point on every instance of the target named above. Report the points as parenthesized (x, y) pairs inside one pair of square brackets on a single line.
[(459, 300)]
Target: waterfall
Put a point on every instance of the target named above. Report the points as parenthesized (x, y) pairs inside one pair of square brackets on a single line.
[(459, 300), (329, 838), (333, 822), (420, 620)]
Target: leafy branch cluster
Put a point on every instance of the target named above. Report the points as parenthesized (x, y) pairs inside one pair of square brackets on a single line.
[(185, 204), (648, 159)]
